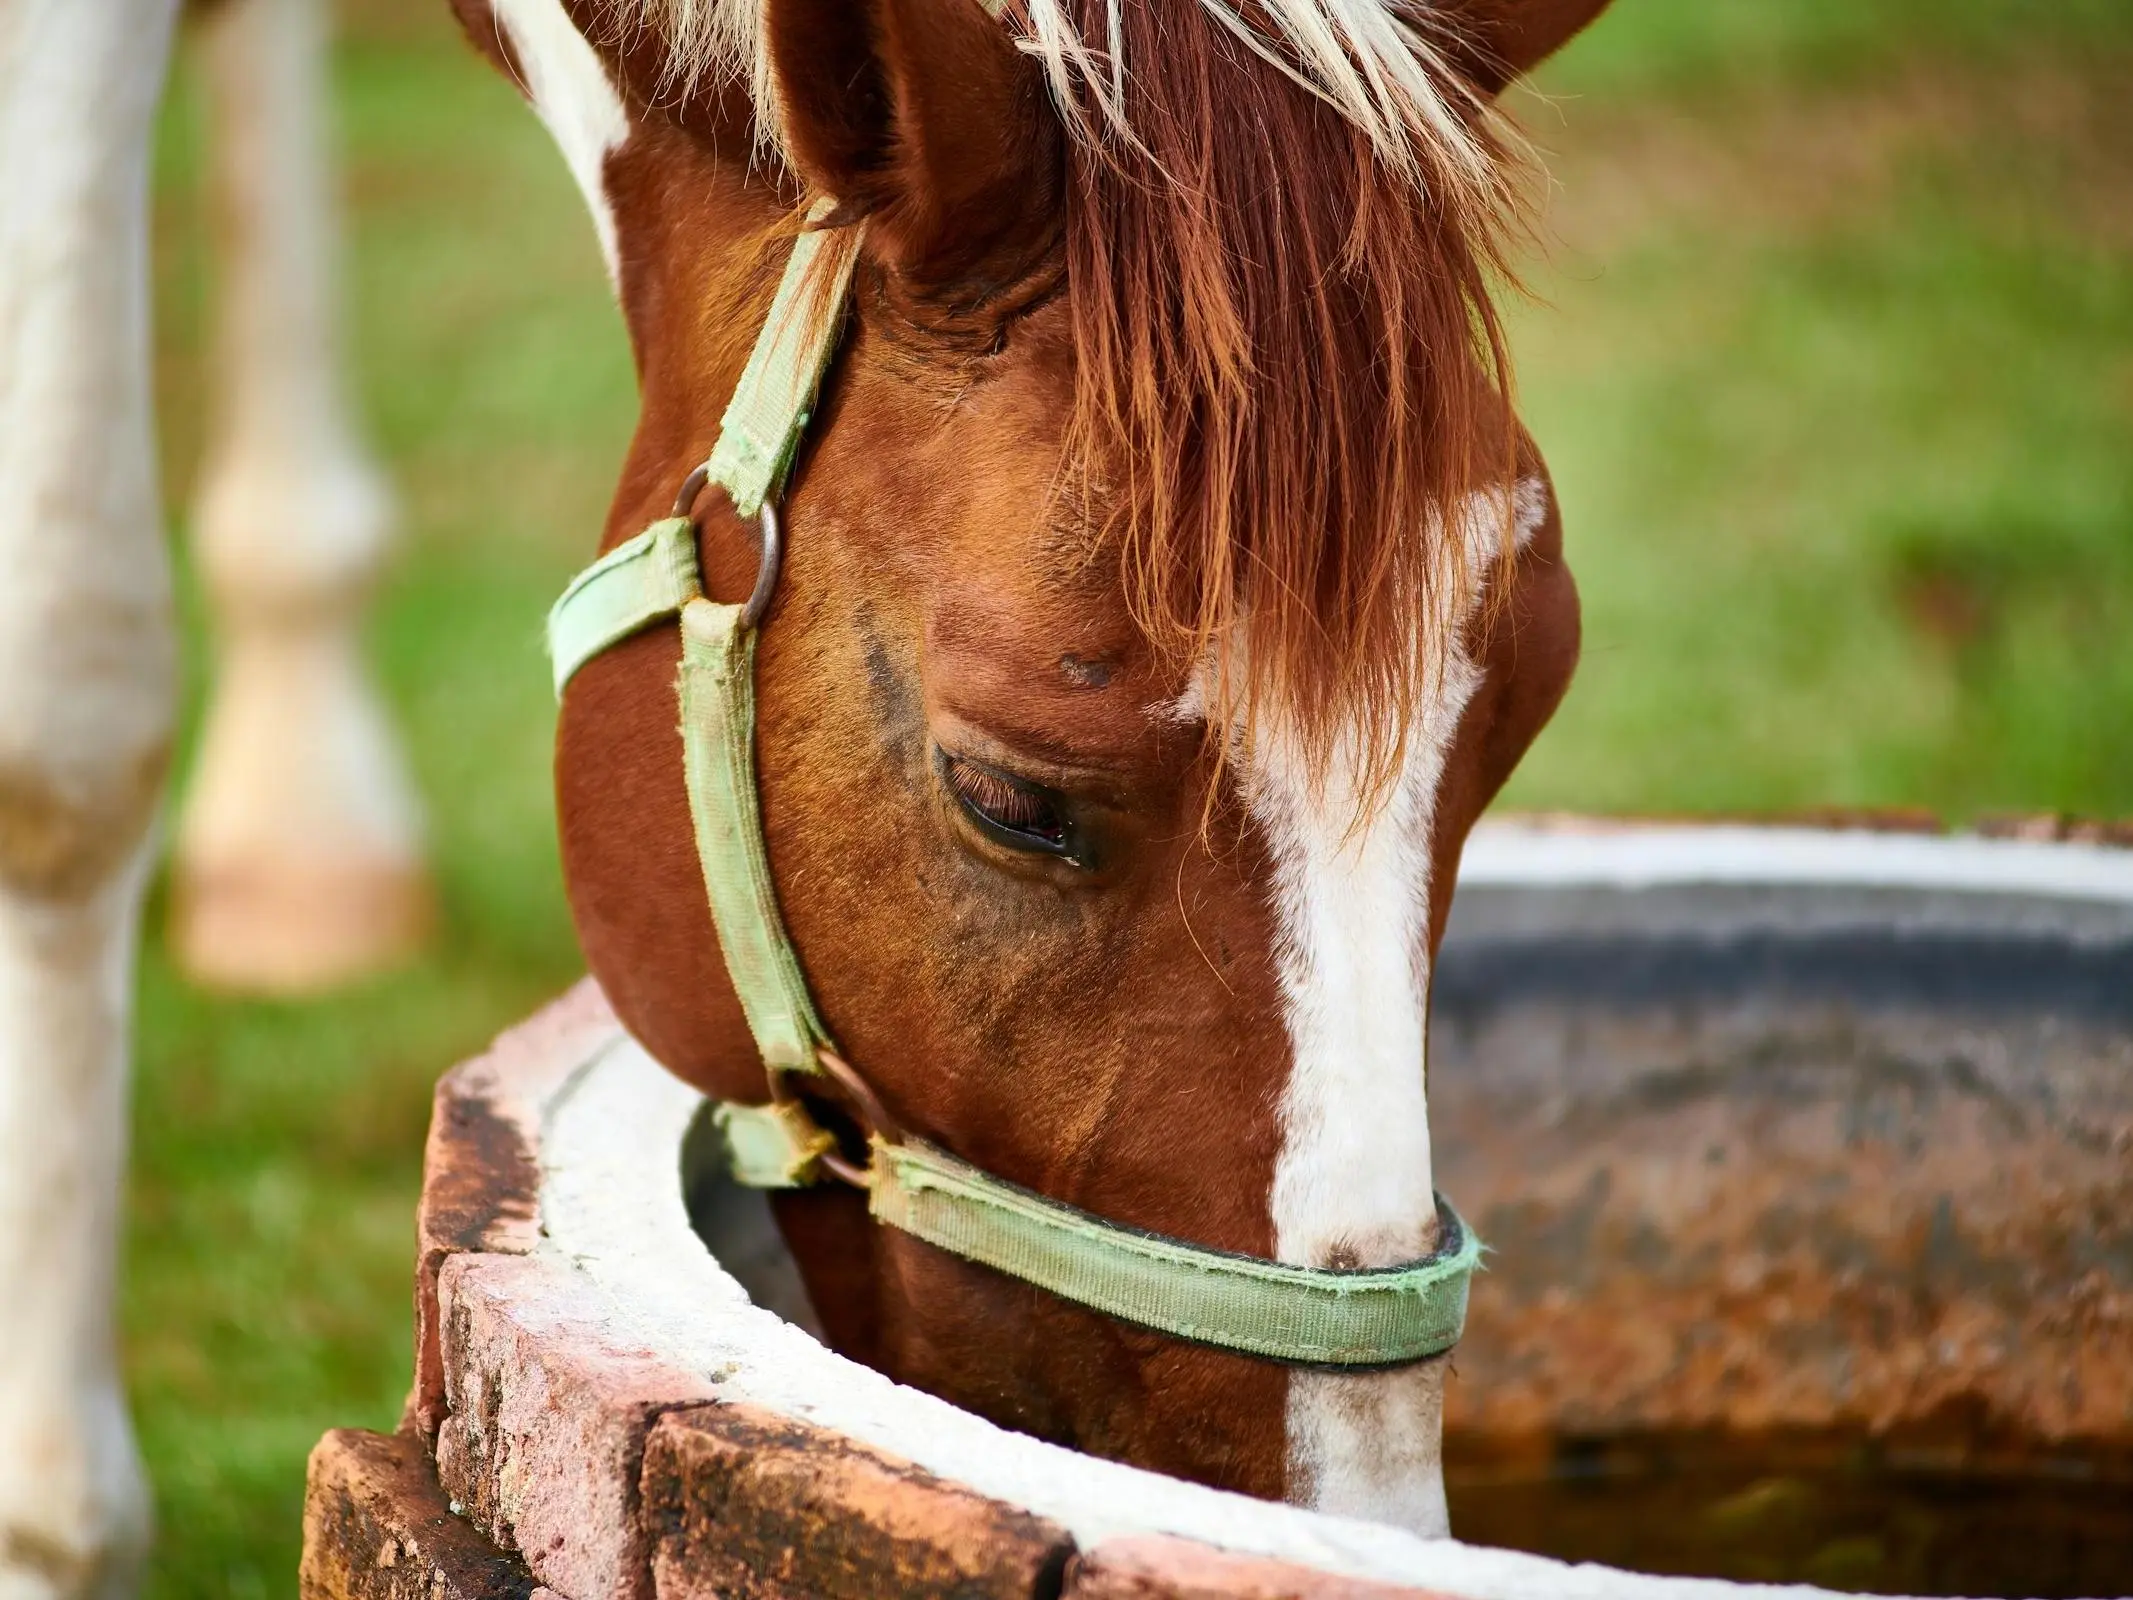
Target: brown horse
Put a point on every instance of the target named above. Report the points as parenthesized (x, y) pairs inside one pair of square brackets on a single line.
[(1169, 588)]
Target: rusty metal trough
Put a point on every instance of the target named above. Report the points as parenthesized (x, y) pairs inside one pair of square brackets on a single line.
[(1824, 1137)]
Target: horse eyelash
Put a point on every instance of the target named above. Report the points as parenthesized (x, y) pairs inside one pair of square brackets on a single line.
[(1001, 799)]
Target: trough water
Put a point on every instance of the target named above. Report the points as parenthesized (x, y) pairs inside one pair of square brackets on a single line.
[(1863, 1524), (1808, 1162)]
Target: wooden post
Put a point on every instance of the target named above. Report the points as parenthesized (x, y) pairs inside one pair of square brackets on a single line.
[(299, 857)]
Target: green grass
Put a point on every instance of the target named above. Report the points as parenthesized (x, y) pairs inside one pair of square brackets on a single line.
[(1836, 379), (1833, 362)]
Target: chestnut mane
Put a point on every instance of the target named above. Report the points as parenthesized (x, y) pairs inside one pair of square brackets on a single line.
[(1281, 227)]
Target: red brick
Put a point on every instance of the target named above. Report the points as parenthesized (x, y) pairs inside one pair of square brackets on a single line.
[(376, 1527), (745, 1504), (548, 1407), (481, 1166), (1157, 1568)]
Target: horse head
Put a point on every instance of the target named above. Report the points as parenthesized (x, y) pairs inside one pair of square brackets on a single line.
[(1167, 586)]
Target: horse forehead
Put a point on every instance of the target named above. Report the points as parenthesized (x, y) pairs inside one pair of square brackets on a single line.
[(1015, 649)]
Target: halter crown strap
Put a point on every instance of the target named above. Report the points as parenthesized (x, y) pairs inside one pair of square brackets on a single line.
[(761, 431), (1265, 1308)]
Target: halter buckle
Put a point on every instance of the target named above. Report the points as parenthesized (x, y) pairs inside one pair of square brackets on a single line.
[(860, 1101)]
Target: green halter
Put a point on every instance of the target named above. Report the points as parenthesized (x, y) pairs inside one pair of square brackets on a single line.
[(1303, 1315)]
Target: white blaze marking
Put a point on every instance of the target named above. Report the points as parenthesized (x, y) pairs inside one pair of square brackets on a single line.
[(572, 93), (1352, 1183)]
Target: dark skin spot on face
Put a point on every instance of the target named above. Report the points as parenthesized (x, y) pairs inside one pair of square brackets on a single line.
[(895, 706), (1087, 674)]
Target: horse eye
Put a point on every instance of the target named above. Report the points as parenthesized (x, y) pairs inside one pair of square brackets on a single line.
[(1013, 812)]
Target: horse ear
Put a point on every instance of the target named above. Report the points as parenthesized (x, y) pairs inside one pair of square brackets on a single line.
[(1501, 40), (923, 117)]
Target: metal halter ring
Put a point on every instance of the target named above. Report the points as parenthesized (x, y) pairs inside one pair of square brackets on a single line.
[(770, 545)]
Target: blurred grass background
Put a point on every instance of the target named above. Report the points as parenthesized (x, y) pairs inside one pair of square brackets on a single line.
[(1831, 355)]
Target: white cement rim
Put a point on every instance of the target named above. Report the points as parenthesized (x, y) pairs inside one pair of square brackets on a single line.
[(1591, 853), (611, 1207)]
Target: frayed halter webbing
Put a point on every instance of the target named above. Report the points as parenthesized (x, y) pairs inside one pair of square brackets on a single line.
[(1304, 1315)]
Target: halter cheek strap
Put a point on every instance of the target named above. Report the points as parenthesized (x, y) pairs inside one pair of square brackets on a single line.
[(1303, 1315)]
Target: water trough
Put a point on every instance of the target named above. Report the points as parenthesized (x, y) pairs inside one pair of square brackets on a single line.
[(1807, 1157)]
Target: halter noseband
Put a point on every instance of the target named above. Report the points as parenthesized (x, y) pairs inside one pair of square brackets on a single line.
[(1307, 1316)]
